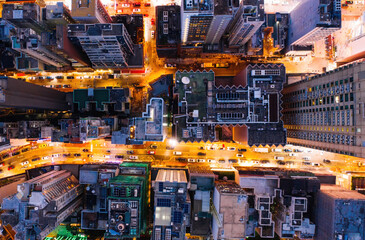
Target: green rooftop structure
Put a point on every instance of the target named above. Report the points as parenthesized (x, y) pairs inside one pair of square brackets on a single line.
[(127, 202)]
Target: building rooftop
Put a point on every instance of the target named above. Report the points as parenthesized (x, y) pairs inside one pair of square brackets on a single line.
[(173, 176), (221, 7), (168, 29), (229, 187), (200, 170), (338, 192), (204, 6)]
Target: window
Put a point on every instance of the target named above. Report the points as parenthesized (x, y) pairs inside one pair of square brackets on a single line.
[(163, 202)]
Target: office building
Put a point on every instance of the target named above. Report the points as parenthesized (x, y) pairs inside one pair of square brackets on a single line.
[(277, 25), (312, 20), (253, 103), (41, 204), (201, 180), (247, 21), (106, 45), (223, 12), (19, 94), (24, 15), (171, 205), (339, 214), (89, 11), (326, 111), (196, 17), (149, 127), (168, 31), (230, 211)]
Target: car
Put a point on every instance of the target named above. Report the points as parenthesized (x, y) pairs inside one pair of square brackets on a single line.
[(201, 160), (2, 164), (306, 158), (77, 154), (181, 159), (279, 158), (79, 77), (90, 155), (136, 4), (222, 161), (153, 146), (239, 155), (191, 160), (49, 78), (177, 153), (147, 4), (289, 163), (45, 158), (67, 86), (70, 77), (56, 155), (125, 5), (107, 156), (130, 152), (152, 21), (211, 161), (280, 162), (231, 149), (58, 86), (316, 164), (11, 167), (119, 10), (136, 10), (24, 163), (152, 34), (36, 159), (201, 154), (59, 77), (150, 152), (145, 15), (25, 149), (232, 160), (5, 156), (85, 150), (15, 153), (170, 65), (108, 151), (201, 148), (307, 163), (264, 161), (292, 154), (287, 150), (222, 148), (256, 162), (66, 155), (133, 157), (298, 150), (326, 161), (242, 150), (119, 156)]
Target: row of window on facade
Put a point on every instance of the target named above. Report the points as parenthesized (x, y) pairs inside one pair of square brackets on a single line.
[(324, 137), (328, 118)]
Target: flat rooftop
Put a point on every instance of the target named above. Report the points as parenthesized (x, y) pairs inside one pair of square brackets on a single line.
[(173, 176), (229, 187), (338, 192)]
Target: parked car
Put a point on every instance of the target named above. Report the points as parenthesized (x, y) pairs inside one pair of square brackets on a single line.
[(201, 154), (130, 152)]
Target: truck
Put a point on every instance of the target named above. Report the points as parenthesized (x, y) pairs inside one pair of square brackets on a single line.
[(263, 150)]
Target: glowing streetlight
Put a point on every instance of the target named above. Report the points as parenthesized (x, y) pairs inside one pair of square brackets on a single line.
[(172, 142)]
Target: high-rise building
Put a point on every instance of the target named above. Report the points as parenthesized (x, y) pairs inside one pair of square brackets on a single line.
[(327, 111), (312, 20), (89, 11), (168, 30), (106, 45), (19, 94), (254, 103), (339, 214), (196, 17), (223, 12), (172, 205), (247, 21), (41, 204), (230, 211)]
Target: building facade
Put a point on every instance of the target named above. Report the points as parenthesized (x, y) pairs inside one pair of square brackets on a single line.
[(90, 11), (327, 111)]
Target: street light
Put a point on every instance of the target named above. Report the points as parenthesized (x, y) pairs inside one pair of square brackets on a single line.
[(172, 142)]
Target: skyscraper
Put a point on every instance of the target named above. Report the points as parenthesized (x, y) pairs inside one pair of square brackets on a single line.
[(41, 204), (327, 111), (90, 11), (106, 45), (248, 19)]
